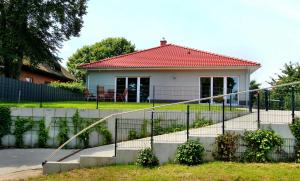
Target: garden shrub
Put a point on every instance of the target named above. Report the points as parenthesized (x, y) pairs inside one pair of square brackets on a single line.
[(190, 153), (226, 146), (259, 144), (146, 158), (22, 125), (198, 123), (295, 129), (63, 131), (132, 134), (5, 121), (144, 132), (76, 87), (43, 134), (81, 123), (174, 127)]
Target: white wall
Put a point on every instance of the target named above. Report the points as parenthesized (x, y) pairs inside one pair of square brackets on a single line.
[(186, 83)]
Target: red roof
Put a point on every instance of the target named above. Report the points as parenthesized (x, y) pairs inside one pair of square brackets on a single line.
[(169, 56)]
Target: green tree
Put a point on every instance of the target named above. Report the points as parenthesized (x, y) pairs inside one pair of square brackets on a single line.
[(106, 48), (254, 85), (34, 30), (289, 73)]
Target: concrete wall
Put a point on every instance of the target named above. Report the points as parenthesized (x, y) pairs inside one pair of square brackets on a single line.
[(54, 114), (185, 83)]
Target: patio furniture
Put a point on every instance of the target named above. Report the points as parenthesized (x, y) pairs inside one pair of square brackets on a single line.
[(100, 92), (122, 96), (109, 95), (87, 95)]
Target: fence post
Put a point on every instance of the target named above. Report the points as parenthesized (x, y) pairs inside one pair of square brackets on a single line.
[(230, 103), (293, 104), (209, 104), (152, 121), (116, 136), (250, 101), (41, 95), (187, 122), (258, 110), (223, 116), (97, 98), (153, 96), (266, 100)]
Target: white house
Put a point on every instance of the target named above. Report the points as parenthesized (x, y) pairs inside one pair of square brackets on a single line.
[(170, 73)]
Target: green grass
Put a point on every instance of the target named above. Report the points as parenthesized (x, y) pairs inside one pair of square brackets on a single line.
[(208, 171), (113, 105)]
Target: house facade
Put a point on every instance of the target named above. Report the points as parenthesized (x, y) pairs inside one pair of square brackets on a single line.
[(171, 73), (43, 74)]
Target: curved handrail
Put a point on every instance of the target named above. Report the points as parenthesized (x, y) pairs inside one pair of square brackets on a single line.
[(160, 106)]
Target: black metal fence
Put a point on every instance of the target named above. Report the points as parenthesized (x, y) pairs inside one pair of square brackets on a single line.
[(12, 90), (176, 123)]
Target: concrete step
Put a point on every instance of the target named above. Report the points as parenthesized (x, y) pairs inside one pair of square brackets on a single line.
[(56, 167)]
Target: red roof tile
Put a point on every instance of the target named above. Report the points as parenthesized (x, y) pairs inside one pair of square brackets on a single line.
[(169, 56)]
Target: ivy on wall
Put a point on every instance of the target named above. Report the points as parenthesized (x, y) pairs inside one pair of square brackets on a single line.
[(22, 125), (5, 122), (43, 134), (63, 131)]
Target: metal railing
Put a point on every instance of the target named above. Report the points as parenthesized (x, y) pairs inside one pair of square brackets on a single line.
[(180, 121)]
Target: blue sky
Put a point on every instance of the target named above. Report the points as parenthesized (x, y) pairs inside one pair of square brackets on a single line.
[(266, 31)]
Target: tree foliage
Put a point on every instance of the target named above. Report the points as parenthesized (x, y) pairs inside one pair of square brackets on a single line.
[(106, 48), (254, 85), (289, 73), (34, 30)]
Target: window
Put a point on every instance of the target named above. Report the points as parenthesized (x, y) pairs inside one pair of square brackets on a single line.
[(28, 79), (214, 86), (232, 87)]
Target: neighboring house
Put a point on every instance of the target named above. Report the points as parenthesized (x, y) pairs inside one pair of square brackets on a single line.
[(176, 72), (44, 74)]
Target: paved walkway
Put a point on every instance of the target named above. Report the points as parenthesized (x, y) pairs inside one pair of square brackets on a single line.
[(16, 160)]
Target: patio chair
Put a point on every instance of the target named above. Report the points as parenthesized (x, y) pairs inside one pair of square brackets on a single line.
[(109, 95), (87, 95), (122, 96), (100, 92)]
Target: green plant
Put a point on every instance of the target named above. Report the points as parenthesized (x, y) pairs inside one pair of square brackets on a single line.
[(5, 121), (63, 130), (226, 146), (174, 127), (295, 129), (259, 144), (190, 153), (43, 134), (76, 87), (146, 158), (144, 129), (103, 130), (85, 136), (198, 123), (132, 134), (22, 125)]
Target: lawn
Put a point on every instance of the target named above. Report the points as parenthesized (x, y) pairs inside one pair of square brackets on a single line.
[(207, 171), (114, 105)]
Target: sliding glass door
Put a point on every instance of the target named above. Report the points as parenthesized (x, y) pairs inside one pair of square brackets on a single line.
[(144, 89), (205, 88), (218, 88), (214, 86), (133, 89)]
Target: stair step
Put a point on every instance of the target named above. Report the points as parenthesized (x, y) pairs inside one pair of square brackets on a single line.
[(93, 160), (56, 167)]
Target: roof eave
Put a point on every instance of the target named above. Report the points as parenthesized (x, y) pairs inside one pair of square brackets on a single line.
[(251, 68)]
